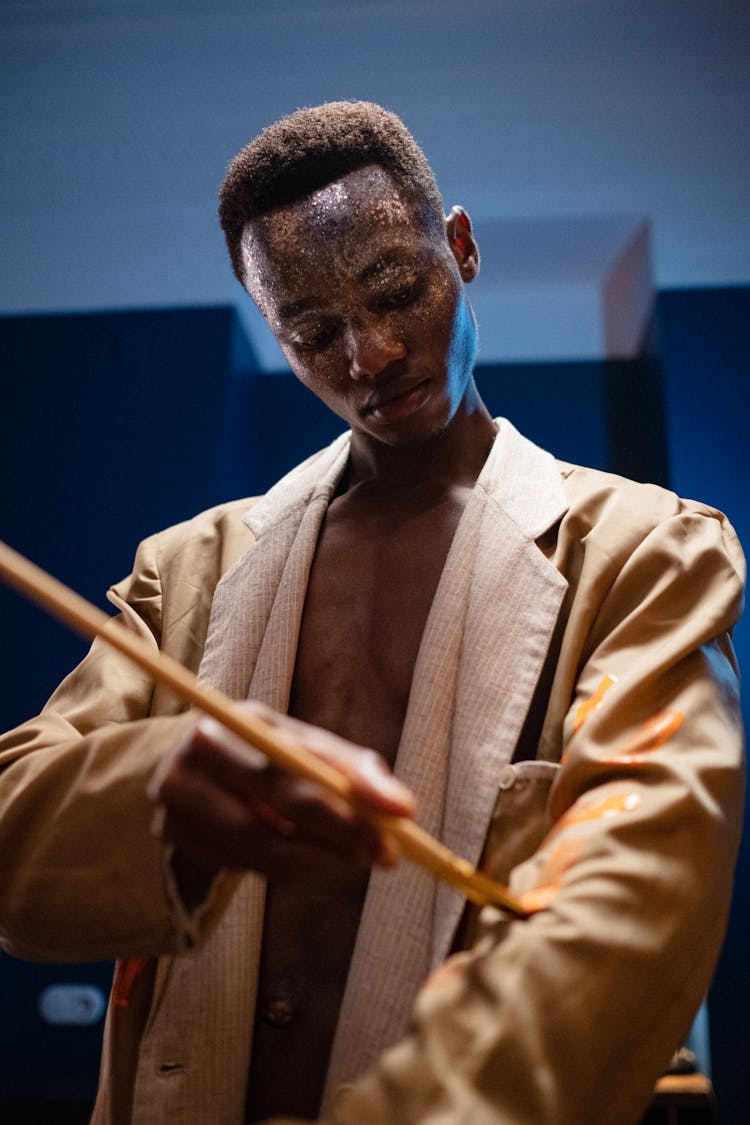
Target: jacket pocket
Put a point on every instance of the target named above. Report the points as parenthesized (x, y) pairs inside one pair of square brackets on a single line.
[(519, 819)]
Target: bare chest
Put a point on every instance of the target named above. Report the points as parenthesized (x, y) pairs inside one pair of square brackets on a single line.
[(371, 588)]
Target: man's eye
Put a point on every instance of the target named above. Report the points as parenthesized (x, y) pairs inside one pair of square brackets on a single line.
[(315, 340), (399, 297)]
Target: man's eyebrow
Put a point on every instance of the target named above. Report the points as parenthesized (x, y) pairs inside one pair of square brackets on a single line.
[(297, 308)]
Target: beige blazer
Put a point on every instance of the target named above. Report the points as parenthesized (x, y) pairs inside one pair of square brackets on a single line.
[(573, 725)]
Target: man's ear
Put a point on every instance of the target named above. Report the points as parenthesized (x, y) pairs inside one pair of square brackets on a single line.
[(462, 243)]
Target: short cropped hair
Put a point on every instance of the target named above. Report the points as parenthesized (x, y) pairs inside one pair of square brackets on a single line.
[(313, 147)]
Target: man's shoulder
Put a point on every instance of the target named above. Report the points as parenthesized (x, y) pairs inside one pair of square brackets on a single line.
[(216, 523), (211, 541), (198, 549), (600, 493), (619, 514)]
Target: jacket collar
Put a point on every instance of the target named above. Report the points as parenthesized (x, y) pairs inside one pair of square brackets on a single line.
[(523, 479), (317, 476)]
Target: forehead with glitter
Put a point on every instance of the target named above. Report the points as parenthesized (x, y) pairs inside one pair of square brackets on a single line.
[(330, 225)]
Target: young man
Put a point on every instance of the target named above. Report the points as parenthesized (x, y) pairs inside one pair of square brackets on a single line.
[(541, 652)]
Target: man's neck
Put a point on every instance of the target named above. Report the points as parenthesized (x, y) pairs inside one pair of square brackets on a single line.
[(454, 457)]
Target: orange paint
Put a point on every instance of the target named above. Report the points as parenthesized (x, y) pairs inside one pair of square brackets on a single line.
[(567, 853), (127, 973), (649, 737), (583, 812), (538, 899), (585, 709)]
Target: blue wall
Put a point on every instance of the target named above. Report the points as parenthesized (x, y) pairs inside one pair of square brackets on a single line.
[(706, 352)]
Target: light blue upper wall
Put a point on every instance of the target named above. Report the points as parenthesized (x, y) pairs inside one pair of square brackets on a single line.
[(121, 115)]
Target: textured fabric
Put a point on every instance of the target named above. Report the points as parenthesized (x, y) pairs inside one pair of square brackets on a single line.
[(267, 583)]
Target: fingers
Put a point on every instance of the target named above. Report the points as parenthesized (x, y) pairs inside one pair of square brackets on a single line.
[(223, 805), (373, 784), (215, 829)]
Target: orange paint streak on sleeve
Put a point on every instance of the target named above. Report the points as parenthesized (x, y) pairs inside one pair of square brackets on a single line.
[(584, 709), (127, 973), (539, 898), (649, 737), (567, 853), (582, 813)]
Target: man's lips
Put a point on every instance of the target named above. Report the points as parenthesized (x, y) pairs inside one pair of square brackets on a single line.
[(397, 400)]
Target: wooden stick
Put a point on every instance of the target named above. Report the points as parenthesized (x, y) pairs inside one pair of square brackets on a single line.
[(85, 618)]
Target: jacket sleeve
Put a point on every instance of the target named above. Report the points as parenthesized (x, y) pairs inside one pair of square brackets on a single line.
[(81, 875), (570, 1015)]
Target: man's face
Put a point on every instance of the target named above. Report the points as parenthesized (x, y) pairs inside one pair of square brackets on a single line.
[(367, 305)]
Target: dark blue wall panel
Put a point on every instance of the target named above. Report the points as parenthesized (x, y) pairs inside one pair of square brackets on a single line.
[(705, 343), (111, 426)]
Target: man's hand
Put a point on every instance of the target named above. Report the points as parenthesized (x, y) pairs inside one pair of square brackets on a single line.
[(223, 805)]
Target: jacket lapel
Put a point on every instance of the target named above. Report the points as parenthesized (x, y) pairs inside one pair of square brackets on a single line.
[(513, 600), (251, 645), (266, 586)]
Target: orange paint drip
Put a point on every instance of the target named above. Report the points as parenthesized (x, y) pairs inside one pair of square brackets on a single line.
[(564, 856), (127, 973), (581, 813), (651, 736), (585, 709), (540, 898)]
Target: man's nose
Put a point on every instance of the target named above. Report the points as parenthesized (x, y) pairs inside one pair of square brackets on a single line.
[(371, 350)]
